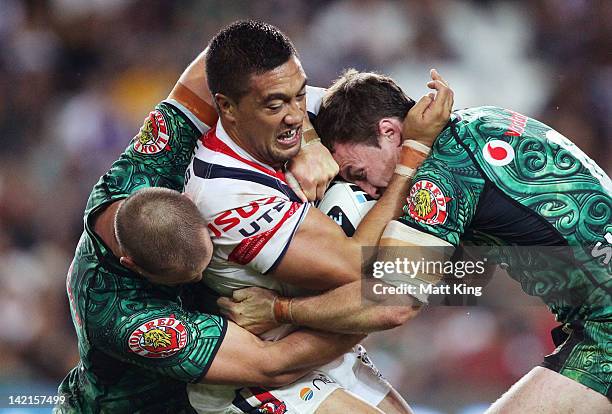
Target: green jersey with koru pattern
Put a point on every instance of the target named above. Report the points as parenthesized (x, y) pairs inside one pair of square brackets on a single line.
[(139, 343), (498, 178)]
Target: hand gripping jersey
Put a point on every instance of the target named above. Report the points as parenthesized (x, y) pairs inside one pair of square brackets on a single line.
[(138, 343), (498, 178)]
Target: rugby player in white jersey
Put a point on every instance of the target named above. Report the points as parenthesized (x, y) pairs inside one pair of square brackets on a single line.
[(263, 235)]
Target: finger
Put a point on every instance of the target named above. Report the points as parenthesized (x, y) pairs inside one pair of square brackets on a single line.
[(433, 73), (335, 170), (321, 190), (295, 186), (445, 93), (437, 85), (310, 193), (240, 295), (420, 107), (443, 100), (225, 303), (436, 76)]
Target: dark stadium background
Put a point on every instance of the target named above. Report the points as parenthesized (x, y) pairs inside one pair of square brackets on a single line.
[(78, 76)]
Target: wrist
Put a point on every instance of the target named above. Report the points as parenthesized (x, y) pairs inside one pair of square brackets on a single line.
[(412, 154), (281, 309), (417, 145), (309, 137)]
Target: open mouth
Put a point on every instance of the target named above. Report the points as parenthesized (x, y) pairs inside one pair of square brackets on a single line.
[(290, 138)]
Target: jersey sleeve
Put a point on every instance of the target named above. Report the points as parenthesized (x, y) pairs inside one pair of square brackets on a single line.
[(257, 234), (156, 157), (443, 198), (158, 335)]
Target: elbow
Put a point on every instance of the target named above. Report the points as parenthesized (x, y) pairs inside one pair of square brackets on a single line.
[(275, 372), (342, 274), (395, 316), (279, 380), (275, 376)]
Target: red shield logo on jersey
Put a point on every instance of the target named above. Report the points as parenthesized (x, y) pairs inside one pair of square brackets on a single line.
[(159, 338), (427, 203), (153, 136), (498, 153)]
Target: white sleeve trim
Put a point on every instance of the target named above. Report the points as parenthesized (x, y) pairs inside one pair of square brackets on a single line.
[(402, 232), (202, 127)]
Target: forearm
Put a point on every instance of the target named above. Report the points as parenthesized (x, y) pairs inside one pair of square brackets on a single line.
[(321, 256), (346, 309), (305, 350), (192, 91), (387, 208), (347, 259), (244, 359)]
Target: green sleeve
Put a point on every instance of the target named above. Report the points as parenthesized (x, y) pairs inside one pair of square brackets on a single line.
[(154, 333), (156, 157), (444, 195)]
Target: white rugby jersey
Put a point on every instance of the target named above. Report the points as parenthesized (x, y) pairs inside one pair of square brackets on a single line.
[(251, 212)]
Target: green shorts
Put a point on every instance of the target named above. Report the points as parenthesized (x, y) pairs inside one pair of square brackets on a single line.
[(584, 353)]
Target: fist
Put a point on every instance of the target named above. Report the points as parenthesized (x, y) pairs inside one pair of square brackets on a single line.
[(431, 113), (251, 308)]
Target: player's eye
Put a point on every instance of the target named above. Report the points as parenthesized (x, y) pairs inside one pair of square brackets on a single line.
[(274, 106), (358, 175)]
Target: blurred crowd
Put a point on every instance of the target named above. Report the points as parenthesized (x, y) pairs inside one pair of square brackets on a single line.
[(78, 76)]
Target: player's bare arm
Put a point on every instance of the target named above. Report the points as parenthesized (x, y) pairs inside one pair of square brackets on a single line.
[(344, 309), (244, 359)]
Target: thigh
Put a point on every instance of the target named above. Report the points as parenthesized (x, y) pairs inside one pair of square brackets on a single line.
[(393, 403), (341, 401), (545, 391), (313, 393), (356, 373)]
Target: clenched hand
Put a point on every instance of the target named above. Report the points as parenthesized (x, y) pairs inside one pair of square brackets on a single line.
[(251, 308), (430, 114)]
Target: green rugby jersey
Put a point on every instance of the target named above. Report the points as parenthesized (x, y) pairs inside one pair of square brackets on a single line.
[(139, 343), (498, 178)]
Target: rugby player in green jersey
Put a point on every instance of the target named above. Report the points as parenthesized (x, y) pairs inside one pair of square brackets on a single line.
[(493, 178), (141, 336)]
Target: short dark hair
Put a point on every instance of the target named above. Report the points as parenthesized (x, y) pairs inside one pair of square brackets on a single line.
[(160, 230), (242, 49), (353, 105)]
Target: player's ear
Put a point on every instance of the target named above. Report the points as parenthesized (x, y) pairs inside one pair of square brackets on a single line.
[(127, 262), (225, 105), (390, 130)]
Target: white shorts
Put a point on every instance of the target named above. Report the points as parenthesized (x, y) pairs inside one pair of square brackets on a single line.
[(353, 372)]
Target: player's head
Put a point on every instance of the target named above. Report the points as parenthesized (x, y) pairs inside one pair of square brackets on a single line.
[(360, 121), (163, 236), (258, 85)]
